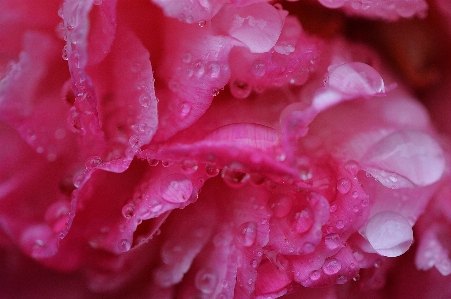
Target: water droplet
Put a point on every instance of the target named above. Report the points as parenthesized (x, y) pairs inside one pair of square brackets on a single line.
[(344, 185), (331, 266), (234, 178), (333, 208), (128, 210), (332, 241), (308, 247), (240, 89), (247, 233), (304, 221), (206, 281), (211, 170), (215, 92), (153, 162), (340, 224), (280, 205), (176, 188), (166, 163), (57, 215), (352, 166), (258, 68), (124, 245), (342, 279), (389, 233), (214, 69), (184, 109), (64, 54), (198, 68), (315, 275), (78, 179), (202, 23), (356, 278), (365, 201), (73, 120), (189, 166), (93, 162)]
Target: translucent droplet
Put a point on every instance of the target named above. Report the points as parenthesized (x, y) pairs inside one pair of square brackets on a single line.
[(176, 188), (124, 245), (356, 278), (214, 70), (57, 215), (342, 279), (189, 166), (128, 210), (206, 281), (258, 68), (340, 224), (234, 178), (215, 92), (64, 54), (247, 233), (332, 241), (308, 247), (331, 266), (93, 162), (315, 275), (166, 163), (202, 23), (211, 170), (389, 233), (198, 68), (78, 179), (153, 162), (240, 89), (184, 109), (280, 205), (304, 221), (344, 185), (333, 208), (352, 166)]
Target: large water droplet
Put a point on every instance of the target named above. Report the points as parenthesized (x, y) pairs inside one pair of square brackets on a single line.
[(234, 178), (356, 79), (128, 210), (240, 89), (331, 266), (57, 215), (176, 188), (344, 185), (258, 68), (189, 166), (124, 245), (247, 233), (389, 233), (206, 281), (332, 241), (280, 205), (184, 109), (211, 170), (93, 162)]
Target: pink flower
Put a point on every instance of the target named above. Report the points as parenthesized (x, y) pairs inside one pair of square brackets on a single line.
[(225, 149)]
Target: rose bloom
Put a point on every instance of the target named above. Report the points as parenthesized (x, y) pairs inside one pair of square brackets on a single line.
[(225, 149)]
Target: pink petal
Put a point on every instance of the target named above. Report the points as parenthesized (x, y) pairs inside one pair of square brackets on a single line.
[(190, 11)]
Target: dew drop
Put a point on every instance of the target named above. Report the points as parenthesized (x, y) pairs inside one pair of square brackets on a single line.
[(315, 275), (352, 166), (340, 224), (258, 68), (234, 178), (166, 163), (78, 179), (57, 215), (215, 92), (128, 210), (189, 166), (176, 188), (64, 54), (206, 281), (247, 233), (202, 23), (214, 70), (331, 266), (333, 208), (184, 109), (280, 205), (304, 221), (153, 162), (124, 245), (211, 170), (240, 89), (93, 162), (332, 241), (344, 185), (342, 279), (356, 278)]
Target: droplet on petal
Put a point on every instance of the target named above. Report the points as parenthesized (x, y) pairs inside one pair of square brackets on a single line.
[(280, 205), (344, 185), (356, 79), (389, 233), (332, 241), (247, 233), (176, 188), (331, 266), (211, 170), (57, 214), (128, 210), (234, 178), (124, 245), (258, 68)]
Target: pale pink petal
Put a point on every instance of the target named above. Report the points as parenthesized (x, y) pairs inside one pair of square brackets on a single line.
[(190, 11)]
